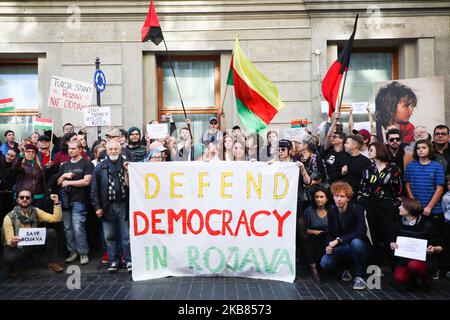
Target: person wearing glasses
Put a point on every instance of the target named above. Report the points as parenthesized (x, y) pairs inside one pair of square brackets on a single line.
[(213, 134), (441, 146), (335, 157), (396, 148), (24, 215), (379, 194)]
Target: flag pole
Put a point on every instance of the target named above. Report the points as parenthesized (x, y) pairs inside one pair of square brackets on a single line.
[(223, 103), (257, 145), (178, 88), (342, 92)]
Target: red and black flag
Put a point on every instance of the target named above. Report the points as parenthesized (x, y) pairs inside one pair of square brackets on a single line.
[(332, 80), (151, 30)]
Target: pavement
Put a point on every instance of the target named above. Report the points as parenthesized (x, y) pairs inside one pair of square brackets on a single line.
[(36, 282)]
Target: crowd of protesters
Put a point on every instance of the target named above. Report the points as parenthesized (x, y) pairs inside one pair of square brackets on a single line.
[(355, 195)]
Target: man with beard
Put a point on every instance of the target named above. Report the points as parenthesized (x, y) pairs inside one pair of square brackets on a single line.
[(109, 196), (134, 144), (441, 146), (24, 215), (396, 148)]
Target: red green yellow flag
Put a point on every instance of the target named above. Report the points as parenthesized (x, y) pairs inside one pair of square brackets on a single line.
[(257, 98)]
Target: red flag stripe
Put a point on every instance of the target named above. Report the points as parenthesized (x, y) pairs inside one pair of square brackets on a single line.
[(6, 100), (252, 100), (46, 120)]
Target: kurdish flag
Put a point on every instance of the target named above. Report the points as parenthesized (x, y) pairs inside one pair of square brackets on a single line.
[(257, 98), (6, 105), (43, 123)]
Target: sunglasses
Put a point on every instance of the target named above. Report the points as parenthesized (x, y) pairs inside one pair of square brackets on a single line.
[(24, 197), (334, 136), (282, 149), (213, 122), (394, 139)]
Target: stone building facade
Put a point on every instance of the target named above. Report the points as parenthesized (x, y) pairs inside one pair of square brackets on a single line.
[(293, 42)]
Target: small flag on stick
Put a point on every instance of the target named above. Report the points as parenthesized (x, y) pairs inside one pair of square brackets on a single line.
[(43, 123)]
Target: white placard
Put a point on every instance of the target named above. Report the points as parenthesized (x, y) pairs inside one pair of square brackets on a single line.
[(32, 236), (157, 130), (294, 134), (228, 218), (70, 94), (96, 116), (357, 107), (411, 248), (362, 125)]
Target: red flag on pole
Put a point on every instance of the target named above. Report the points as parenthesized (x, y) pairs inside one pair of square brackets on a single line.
[(332, 80), (151, 30)]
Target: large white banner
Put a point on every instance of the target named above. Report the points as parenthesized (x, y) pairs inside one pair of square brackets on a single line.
[(213, 218)]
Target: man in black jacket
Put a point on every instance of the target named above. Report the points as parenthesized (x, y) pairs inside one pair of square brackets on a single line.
[(347, 231), (109, 196)]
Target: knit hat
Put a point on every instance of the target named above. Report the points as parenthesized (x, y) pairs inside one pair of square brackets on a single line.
[(134, 129), (29, 146)]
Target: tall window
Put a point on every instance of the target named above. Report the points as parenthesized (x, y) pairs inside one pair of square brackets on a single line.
[(198, 78), (19, 82), (366, 67)]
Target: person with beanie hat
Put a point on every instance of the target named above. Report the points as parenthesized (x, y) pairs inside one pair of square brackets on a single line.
[(134, 144)]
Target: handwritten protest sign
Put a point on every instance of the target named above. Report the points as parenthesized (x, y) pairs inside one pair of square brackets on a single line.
[(411, 248), (69, 94), (32, 236), (217, 218), (157, 130), (295, 134), (97, 116)]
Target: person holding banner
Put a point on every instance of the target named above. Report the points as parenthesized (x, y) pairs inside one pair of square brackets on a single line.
[(413, 225), (109, 196), (347, 232), (227, 147), (269, 151), (239, 150), (25, 215), (212, 134)]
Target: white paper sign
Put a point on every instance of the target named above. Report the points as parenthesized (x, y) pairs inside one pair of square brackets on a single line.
[(357, 107), (294, 134), (227, 218), (96, 116), (32, 236), (411, 248), (70, 94), (157, 130), (362, 125)]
